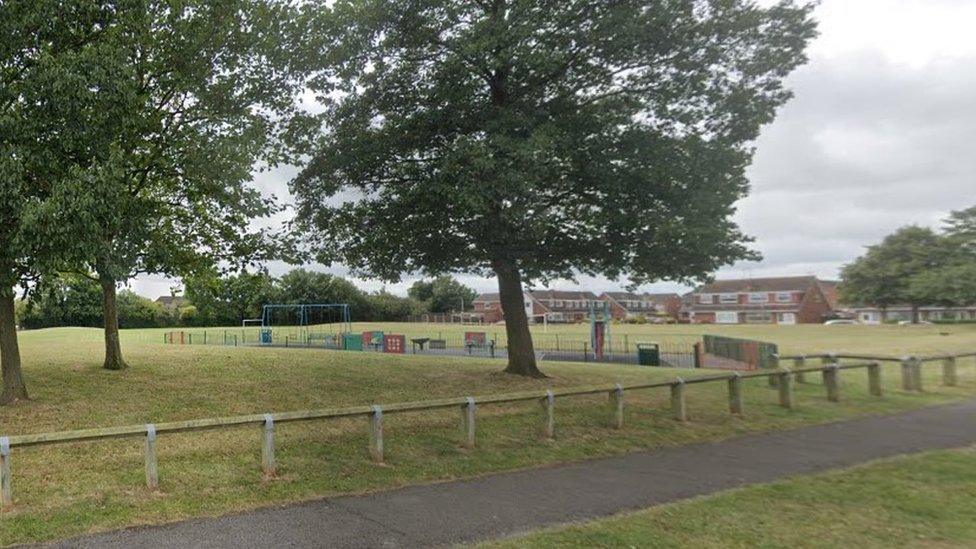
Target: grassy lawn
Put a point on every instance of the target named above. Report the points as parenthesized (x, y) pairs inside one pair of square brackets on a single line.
[(927, 500), (801, 338), (72, 489)]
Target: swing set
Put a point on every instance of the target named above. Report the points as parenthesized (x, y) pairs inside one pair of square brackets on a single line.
[(305, 323)]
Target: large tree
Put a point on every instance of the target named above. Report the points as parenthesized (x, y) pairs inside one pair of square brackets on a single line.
[(201, 84), (541, 139), (884, 275), (53, 88)]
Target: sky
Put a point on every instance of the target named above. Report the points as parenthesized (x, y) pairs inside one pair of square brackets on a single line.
[(879, 135)]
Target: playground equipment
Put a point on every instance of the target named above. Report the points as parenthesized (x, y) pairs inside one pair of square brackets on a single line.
[(599, 327), (305, 323)]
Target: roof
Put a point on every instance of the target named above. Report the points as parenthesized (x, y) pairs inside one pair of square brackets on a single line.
[(487, 297), (569, 295), (780, 284), (630, 296), (829, 289)]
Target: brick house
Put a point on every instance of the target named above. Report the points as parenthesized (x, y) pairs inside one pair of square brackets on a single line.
[(625, 305), (488, 308), (783, 300), (556, 305), (564, 306)]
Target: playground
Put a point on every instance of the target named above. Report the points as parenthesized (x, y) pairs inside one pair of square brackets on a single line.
[(329, 327)]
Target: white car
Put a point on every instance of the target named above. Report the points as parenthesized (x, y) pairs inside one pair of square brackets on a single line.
[(840, 321)]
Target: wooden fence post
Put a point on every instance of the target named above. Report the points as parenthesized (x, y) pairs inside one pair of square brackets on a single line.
[(268, 464), (6, 499), (907, 378), (831, 358), (735, 394), (917, 373), (799, 363), (376, 434), (617, 407), (549, 425), (874, 378), (831, 382), (774, 378), (468, 421), (678, 407), (949, 378), (786, 389), (152, 475)]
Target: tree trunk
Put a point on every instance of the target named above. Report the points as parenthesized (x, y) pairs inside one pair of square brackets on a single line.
[(521, 354), (110, 311), (14, 388), (915, 314)]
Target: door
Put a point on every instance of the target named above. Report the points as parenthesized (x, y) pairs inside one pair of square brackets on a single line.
[(787, 318)]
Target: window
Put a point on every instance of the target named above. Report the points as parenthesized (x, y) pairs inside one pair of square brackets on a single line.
[(705, 299), (758, 297), (726, 317), (784, 297), (728, 298), (759, 318), (558, 304)]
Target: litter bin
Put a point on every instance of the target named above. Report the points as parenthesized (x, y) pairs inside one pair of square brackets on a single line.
[(266, 336), (648, 354)]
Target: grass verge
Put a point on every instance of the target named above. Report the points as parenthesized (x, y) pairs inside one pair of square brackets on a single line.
[(926, 500)]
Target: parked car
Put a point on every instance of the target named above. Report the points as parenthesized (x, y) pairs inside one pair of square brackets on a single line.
[(840, 321), (919, 323)]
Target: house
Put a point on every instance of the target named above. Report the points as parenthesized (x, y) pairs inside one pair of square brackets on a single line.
[(627, 305), (553, 305), (782, 300), (899, 313), (565, 306), (488, 308), (172, 302)]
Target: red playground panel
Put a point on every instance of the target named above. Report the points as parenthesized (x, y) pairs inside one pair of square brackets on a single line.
[(475, 339), (395, 344)]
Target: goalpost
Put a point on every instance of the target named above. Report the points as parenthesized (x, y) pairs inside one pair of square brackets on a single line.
[(251, 322)]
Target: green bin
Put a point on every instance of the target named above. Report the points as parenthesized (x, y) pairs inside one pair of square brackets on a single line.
[(648, 354), (352, 342)]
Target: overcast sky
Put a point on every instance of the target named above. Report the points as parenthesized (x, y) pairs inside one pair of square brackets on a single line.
[(879, 135)]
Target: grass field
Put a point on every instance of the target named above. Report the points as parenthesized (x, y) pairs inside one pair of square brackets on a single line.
[(801, 338), (918, 501), (72, 489)]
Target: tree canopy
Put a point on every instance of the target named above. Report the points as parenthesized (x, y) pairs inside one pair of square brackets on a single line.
[(199, 88), (539, 140), (917, 266), (442, 294)]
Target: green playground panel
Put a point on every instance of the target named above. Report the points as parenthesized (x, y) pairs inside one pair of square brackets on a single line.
[(352, 342)]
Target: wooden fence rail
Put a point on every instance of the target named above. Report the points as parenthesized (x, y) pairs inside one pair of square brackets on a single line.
[(784, 380)]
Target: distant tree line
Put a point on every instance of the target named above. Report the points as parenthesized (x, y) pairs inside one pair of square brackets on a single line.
[(74, 300), (918, 267)]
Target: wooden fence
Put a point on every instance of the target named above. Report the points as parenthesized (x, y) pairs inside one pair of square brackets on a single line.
[(782, 378)]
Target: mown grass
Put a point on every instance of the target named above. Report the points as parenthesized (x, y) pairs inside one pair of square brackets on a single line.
[(926, 500), (77, 488), (801, 338)]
